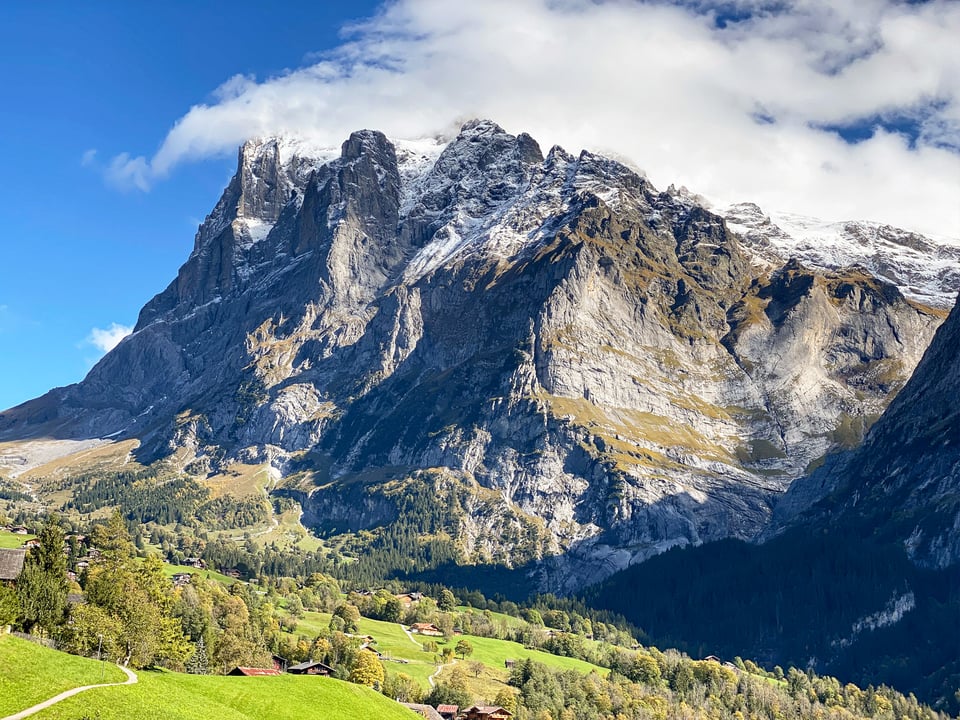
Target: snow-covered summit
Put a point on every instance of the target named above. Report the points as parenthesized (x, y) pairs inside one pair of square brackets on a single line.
[(925, 268)]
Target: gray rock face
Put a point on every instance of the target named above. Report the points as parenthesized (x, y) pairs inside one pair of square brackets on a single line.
[(904, 480), (603, 364)]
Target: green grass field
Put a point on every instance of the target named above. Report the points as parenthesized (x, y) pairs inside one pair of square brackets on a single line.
[(171, 570), (11, 540), (495, 653), (32, 673), (175, 696)]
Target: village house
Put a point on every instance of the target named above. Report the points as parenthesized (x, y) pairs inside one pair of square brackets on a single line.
[(426, 629), (310, 667), (30, 544), (197, 563), (18, 530), (486, 712), (508, 663), (11, 565), (181, 579)]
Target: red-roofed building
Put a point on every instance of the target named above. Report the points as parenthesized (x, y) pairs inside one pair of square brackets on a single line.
[(253, 672), (426, 629), (448, 712)]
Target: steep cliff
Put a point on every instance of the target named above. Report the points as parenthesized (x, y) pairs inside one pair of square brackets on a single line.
[(903, 483)]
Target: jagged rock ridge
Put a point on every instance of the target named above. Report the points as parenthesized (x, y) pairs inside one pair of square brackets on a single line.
[(604, 359)]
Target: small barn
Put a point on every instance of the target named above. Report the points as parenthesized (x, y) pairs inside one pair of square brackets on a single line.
[(11, 565), (426, 711), (310, 667), (448, 712)]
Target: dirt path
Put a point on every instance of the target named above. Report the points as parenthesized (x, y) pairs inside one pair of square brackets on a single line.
[(409, 635), (438, 671), (131, 679)]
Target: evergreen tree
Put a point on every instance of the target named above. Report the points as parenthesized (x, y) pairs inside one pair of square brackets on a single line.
[(198, 663), (42, 586)]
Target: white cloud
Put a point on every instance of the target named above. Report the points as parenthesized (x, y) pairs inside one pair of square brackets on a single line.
[(655, 82), (106, 340), (88, 157)]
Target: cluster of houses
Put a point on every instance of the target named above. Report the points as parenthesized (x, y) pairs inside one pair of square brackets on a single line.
[(452, 712), (310, 667)]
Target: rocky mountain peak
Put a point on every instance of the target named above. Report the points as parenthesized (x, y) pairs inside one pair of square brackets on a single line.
[(600, 366)]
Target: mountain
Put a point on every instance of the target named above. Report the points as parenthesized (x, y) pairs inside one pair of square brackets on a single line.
[(859, 571), (925, 269), (567, 369)]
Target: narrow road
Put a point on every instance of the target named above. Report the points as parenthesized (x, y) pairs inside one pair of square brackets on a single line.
[(131, 679)]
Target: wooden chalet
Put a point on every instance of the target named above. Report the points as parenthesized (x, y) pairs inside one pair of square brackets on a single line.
[(426, 629), (427, 711), (310, 667), (508, 663), (486, 712), (181, 579), (448, 712), (253, 672), (11, 565)]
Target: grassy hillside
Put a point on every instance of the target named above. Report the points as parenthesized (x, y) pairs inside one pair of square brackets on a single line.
[(33, 673), (12, 540), (174, 696)]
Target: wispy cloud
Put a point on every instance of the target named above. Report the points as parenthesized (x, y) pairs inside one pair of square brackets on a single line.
[(735, 99), (107, 339)]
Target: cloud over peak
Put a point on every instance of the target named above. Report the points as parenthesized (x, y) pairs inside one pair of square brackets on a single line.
[(107, 339), (738, 100)]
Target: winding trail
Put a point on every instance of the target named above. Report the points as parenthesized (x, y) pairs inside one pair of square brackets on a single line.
[(414, 641), (438, 671), (131, 679), (409, 635)]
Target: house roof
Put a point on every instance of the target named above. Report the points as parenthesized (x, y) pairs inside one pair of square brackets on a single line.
[(448, 709), (254, 672), (488, 710), (309, 664), (11, 563), (426, 710)]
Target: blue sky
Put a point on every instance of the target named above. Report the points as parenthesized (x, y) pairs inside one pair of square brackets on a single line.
[(119, 122), (78, 253)]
